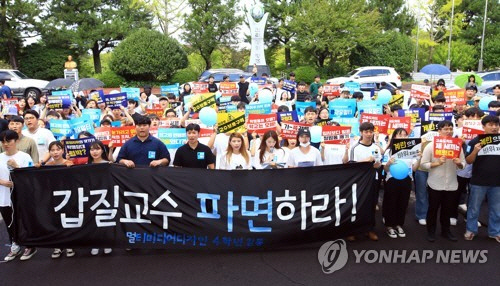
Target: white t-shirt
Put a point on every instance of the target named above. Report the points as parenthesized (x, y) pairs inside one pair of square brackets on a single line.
[(360, 152), (220, 145), (43, 137), (309, 159), (278, 156), (23, 160), (236, 162), (334, 154)]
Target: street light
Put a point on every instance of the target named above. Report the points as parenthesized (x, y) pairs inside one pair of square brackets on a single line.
[(415, 63), (448, 61), (480, 66)]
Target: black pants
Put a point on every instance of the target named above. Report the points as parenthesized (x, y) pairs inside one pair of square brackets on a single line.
[(444, 200), (396, 197), (7, 218), (462, 191)]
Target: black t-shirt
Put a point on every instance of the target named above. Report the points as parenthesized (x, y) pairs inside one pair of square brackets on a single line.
[(212, 87), (485, 167), (301, 96), (242, 91), (200, 157)]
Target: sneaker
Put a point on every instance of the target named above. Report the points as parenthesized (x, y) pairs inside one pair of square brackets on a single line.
[(479, 224), (469, 235), (453, 221), (497, 238), (462, 207), (56, 253), (28, 253), (70, 252), (12, 255), (422, 222), (400, 231), (372, 236), (391, 232), (108, 250), (94, 251)]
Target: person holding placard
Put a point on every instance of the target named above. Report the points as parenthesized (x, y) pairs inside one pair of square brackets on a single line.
[(236, 156), (485, 181), (442, 184), (270, 155), (397, 190)]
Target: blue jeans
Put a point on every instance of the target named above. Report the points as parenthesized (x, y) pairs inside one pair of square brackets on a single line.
[(421, 195), (476, 198)]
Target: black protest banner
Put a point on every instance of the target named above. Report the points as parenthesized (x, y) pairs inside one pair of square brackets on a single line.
[(106, 205), (406, 148)]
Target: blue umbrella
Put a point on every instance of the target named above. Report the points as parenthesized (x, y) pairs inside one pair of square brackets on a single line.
[(435, 69)]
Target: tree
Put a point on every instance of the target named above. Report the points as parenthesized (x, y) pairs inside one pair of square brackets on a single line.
[(473, 21), (17, 22), (148, 55), (463, 56), (394, 15), (279, 27), (43, 62), (210, 25), (324, 39), (168, 14), (95, 24)]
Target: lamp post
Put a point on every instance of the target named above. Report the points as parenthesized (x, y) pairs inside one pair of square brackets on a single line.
[(415, 63), (480, 66), (448, 61)]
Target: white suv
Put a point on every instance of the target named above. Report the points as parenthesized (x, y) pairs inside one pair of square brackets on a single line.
[(21, 85), (369, 74)]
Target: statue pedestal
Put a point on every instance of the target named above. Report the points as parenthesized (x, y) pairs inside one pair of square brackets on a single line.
[(71, 74), (260, 69)]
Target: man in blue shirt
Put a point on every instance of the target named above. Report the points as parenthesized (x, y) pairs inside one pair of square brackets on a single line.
[(5, 91), (143, 149)]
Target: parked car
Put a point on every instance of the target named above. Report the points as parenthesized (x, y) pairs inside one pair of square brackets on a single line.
[(487, 87), (376, 74), (218, 74), (22, 85), (490, 76)]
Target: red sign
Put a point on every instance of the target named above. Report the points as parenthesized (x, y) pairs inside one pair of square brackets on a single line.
[(399, 122), (261, 123), (456, 96), (447, 147), (228, 88), (289, 129), (331, 90), (336, 134), (420, 91), (380, 121), (120, 135), (157, 111), (103, 134), (200, 87), (206, 132)]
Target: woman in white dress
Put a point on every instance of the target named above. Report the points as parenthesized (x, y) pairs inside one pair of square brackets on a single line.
[(270, 155)]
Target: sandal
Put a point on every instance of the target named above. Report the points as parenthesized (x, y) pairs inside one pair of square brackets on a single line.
[(497, 238), (469, 235)]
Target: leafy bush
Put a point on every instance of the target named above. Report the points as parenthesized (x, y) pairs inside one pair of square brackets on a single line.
[(184, 75), (148, 55), (305, 73), (463, 55), (110, 79), (41, 62), (4, 65)]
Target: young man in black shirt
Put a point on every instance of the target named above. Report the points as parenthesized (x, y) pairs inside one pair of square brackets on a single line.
[(212, 87), (243, 89), (302, 93), (193, 154)]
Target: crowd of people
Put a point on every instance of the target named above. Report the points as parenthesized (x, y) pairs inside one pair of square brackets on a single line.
[(441, 185)]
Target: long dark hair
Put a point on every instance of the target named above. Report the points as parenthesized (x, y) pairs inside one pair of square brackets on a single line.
[(263, 145), (396, 132), (94, 145)]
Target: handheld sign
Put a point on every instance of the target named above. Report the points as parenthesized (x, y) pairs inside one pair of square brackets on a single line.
[(261, 123), (288, 116), (203, 100), (331, 90), (103, 134), (336, 134), (406, 148), (289, 130), (78, 148), (60, 127), (59, 101), (116, 100), (231, 122), (399, 122), (93, 114), (200, 87), (173, 138), (132, 92), (447, 147), (379, 121), (342, 107), (420, 92), (120, 135), (490, 144), (228, 88), (166, 89)]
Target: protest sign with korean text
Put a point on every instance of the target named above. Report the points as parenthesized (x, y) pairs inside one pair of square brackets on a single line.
[(59, 101), (331, 90), (116, 100), (379, 121), (78, 148), (120, 135), (173, 138), (490, 144), (336, 134), (399, 122), (261, 123), (173, 88), (289, 130), (420, 92), (447, 147), (228, 88), (342, 107), (406, 148), (203, 100), (231, 122)]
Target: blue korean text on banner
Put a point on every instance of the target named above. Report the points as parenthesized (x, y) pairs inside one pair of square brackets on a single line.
[(258, 108), (116, 124), (173, 138), (370, 106), (97, 95), (352, 86), (289, 85), (409, 112), (94, 115), (67, 92), (288, 116), (258, 80), (342, 107), (345, 121), (115, 101), (132, 92), (300, 107), (60, 127), (81, 124), (59, 101), (166, 89), (440, 116)]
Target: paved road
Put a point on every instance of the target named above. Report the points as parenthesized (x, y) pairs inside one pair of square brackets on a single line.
[(293, 266)]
